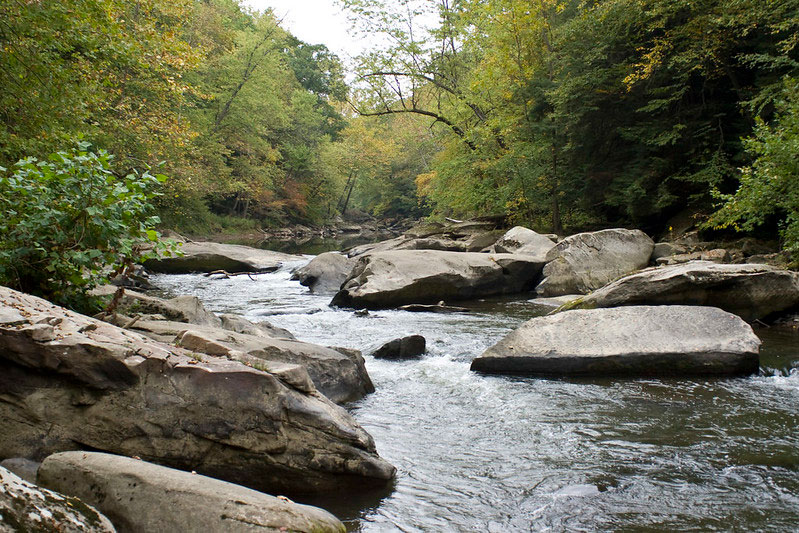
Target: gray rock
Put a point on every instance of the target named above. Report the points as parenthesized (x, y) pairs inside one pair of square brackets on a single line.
[(259, 329), (342, 377), (187, 309), (27, 507), (666, 249), (405, 348), (99, 387), (24, 468), (325, 273), (587, 261), (627, 341), (749, 291), (141, 496), (520, 240), (402, 277), (212, 256), (717, 255)]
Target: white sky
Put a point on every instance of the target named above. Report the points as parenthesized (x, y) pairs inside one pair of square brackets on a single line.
[(315, 22)]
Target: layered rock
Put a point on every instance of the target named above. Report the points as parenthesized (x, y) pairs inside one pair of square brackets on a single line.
[(212, 256), (27, 507), (339, 375), (468, 236), (324, 273), (627, 341), (749, 291), (70, 382), (396, 278), (588, 261), (520, 240), (141, 496)]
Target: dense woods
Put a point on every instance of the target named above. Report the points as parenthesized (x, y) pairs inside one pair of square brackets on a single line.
[(556, 113)]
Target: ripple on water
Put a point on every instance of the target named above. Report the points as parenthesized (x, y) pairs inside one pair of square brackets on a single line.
[(494, 453)]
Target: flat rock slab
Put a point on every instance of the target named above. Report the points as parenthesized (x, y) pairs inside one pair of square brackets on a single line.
[(401, 277), (213, 256), (587, 261), (627, 341), (141, 496), (749, 291), (28, 507)]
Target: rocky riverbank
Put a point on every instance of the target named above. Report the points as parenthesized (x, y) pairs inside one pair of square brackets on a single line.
[(171, 383)]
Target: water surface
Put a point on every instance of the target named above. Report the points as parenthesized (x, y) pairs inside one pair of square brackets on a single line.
[(487, 453)]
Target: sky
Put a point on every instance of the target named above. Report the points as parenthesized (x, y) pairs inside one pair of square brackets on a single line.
[(315, 22)]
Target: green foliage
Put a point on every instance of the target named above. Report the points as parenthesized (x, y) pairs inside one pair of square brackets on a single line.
[(617, 112), (770, 186), (70, 224)]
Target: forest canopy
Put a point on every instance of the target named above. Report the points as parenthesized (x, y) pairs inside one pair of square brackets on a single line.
[(559, 114)]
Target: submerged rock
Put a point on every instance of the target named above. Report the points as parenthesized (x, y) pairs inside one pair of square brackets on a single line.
[(627, 341), (749, 291), (141, 496), (71, 382), (213, 256), (395, 278), (27, 507), (588, 261), (405, 348), (325, 273)]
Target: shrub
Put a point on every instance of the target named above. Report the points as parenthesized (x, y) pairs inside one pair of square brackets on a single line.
[(69, 224)]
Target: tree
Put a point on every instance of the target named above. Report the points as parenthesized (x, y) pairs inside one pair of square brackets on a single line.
[(770, 186)]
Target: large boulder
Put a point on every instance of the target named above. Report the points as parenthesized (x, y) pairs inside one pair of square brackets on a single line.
[(27, 507), (587, 261), (70, 382), (520, 240), (749, 291), (325, 273), (340, 376), (627, 341), (213, 256), (400, 277), (141, 496)]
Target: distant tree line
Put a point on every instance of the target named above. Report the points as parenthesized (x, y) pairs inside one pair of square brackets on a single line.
[(578, 113)]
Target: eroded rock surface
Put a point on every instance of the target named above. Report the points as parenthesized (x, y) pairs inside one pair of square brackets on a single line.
[(70, 382), (28, 507), (667, 340), (749, 291), (212, 256), (396, 278), (141, 496), (588, 261)]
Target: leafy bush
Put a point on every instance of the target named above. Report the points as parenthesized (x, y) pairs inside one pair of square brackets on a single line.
[(771, 185), (69, 224)]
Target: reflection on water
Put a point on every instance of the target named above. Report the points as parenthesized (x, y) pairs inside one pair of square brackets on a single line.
[(499, 454)]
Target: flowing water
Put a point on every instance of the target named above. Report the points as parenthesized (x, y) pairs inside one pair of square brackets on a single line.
[(485, 453)]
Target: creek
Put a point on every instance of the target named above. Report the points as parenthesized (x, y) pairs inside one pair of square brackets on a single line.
[(499, 454)]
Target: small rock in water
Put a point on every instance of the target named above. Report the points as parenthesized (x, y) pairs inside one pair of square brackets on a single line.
[(362, 312), (404, 348)]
